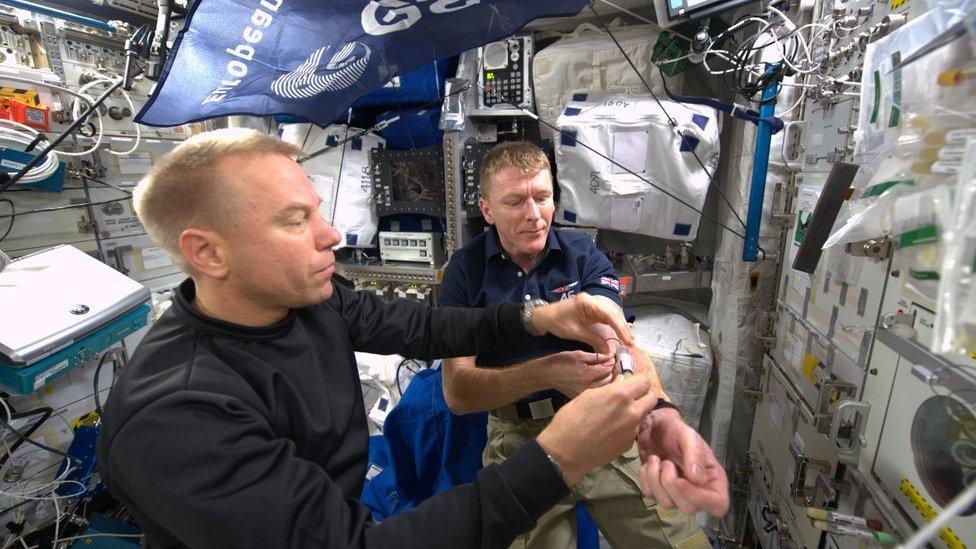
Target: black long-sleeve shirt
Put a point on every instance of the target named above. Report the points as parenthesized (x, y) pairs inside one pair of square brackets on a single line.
[(219, 435)]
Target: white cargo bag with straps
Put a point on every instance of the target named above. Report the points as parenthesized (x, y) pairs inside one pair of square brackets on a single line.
[(634, 131), (340, 177), (587, 59)]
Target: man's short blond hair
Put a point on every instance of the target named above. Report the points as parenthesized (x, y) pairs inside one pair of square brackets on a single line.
[(182, 189), (527, 157)]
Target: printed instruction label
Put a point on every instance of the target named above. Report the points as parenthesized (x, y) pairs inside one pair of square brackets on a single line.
[(154, 258)]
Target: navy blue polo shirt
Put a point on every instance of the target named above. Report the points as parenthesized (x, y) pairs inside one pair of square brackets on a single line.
[(481, 273)]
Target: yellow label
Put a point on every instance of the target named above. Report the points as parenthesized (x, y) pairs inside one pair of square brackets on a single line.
[(810, 363), (895, 4), (924, 508), (26, 96), (91, 418), (950, 538)]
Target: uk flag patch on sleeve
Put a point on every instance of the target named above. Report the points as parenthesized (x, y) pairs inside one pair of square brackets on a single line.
[(610, 282)]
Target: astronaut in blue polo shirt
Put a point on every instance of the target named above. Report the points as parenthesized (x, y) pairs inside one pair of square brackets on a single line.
[(523, 258)]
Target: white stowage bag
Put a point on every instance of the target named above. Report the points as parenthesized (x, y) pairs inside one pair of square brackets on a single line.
[(634, 131), (340, 178), (587, 59), (682, 355)]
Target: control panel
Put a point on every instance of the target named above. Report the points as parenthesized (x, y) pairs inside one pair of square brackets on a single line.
[(504, 76), (411, 247)]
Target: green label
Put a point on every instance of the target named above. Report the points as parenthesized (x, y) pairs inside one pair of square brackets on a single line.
[(895, 117), (923, 275), (923, 235), (877, 97), (880, 188)]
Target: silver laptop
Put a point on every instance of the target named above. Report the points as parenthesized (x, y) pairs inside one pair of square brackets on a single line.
[(51, 298)]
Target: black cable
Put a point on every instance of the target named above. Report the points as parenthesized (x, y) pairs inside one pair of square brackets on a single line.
[(644, 179), (46, 413), (61, 137), (33, 442), (98, 371), (338, 181), (307, 135), (67, 207), (672, 121), (621, 166), (127, 192), (377, 125), (13, 212), (683, 313), (421, 363)]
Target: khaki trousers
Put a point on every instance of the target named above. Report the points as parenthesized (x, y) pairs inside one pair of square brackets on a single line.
[(612, 496)]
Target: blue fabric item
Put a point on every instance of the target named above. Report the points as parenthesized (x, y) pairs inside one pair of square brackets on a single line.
[(587, 532), (689, 143), (567, 138), (569, 216), (379, 452), (351, 239), (431, 449), (579, 97), (482, 273), (572, 111), (416, 129), (682, 229), (314, 59), (700, 120), (737, 111), (421, 85), (12, 161)]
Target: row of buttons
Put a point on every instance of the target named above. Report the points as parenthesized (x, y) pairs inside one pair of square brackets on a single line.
[(397, 242)]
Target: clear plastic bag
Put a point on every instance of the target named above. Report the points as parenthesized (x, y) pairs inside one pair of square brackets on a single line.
[(868, 214), (918, 221), (955, 321)]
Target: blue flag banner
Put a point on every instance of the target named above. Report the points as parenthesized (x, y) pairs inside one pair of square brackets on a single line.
[(314, 58)]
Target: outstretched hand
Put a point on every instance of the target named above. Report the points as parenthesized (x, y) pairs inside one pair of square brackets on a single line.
[(678, 468)]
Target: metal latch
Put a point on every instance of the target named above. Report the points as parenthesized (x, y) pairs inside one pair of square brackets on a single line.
[(875, 248), (801, 494), (831, 391), (848, 448)]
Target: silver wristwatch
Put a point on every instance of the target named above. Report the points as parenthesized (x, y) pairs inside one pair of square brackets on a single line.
[(527, 311)]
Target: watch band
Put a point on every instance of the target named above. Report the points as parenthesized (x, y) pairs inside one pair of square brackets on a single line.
[(527, 311), (559, 469), (662, 404)]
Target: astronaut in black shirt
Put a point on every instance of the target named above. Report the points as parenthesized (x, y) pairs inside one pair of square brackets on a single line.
[(240, 421)]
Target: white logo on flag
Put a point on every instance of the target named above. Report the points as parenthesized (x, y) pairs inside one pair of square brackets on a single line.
[(343, 69), (381, 17)]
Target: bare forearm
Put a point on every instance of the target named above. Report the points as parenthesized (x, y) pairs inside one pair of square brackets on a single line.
[(470, 389), (644, 365)]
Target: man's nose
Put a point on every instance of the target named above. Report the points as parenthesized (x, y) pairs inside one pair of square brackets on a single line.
[(326, 236)]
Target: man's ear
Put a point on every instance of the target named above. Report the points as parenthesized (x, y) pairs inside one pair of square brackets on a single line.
[(205, 252), (486, 210)]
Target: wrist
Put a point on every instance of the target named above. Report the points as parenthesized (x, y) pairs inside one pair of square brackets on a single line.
[(665, 412), (561, 458), (542, 373), (533, 317)]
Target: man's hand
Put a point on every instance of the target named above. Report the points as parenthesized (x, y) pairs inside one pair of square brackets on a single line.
[(573, 372), (569, 319), (597, 426), (678, 468)]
